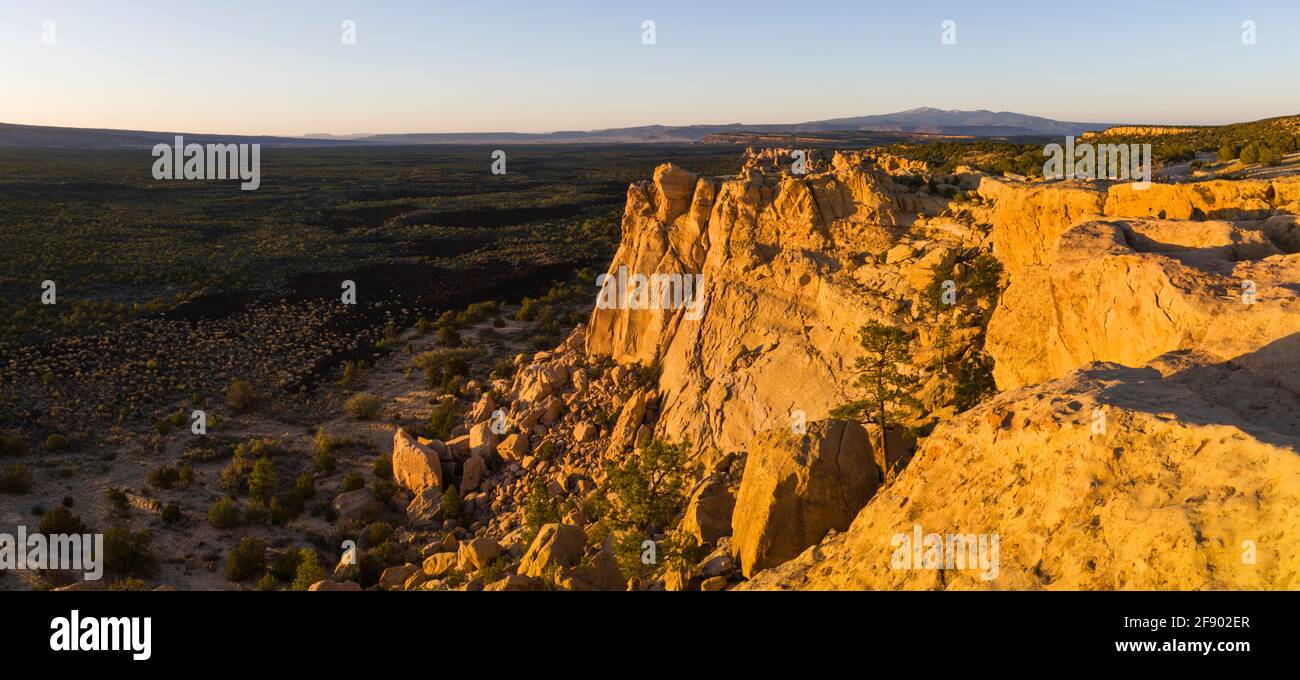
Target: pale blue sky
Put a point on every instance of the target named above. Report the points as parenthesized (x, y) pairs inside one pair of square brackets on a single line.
[(279, 67)]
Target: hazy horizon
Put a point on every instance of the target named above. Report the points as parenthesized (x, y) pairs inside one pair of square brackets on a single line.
[(244, 68)]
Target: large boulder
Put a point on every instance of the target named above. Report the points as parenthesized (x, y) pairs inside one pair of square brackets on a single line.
[(359, 504), (796, 488), (482, 440), (709, 511), (477, 553), (559, 545), (416, 467), (472, 476), (629, 421)]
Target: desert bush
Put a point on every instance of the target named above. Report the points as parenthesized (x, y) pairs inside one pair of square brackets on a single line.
[(451, 502), (171, 513), (241, 396), (129, 552), (309, 570), (12, 445), (353, 481), (16, 479), (641, 496), (443, 363), (164, 477), (503, 368), (246, 560), (325, 463), (263, 479), (283, 564), (379, 532), (117, 501), (55, 442), (974, 381), (383, 489), (383, 466), (364, 405), (351, 376), (224, 514), (60, 520), (305, 486), (448, 337), (646, 490), (442, 419), (540, 509)]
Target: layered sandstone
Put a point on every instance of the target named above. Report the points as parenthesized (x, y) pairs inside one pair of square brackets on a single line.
[(1183, 475), (774, 329)]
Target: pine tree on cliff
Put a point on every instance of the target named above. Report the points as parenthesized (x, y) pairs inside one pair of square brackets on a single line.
[(888, 399)]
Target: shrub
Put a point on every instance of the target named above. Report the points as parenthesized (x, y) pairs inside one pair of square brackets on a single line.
[(16, 479), (539, 510), (325, 463), (305, 487), (379, 532), (12, 445), (128, 552), (309, 570), (451, 502), (164, 477), (353, 481), (646, 490), (364, 406), (442, 363), (1228, 152), (263, 480), (55, 442), (117, 500), (442, 419), (528, 309), (423, 326), (503, 368), (224, 514), (283, 564), (1250, 154), (974, 381), (448, 337), (246, 560), (60, 520), (383, 489), (351, 376), (171, 513), (383, 467), (241, 397)]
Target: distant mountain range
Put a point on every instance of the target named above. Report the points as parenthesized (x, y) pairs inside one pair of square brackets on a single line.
[(922, 121)]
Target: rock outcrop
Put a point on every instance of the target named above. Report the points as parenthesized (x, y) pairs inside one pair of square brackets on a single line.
[(798, 487), (771, 328), (1181, 476)]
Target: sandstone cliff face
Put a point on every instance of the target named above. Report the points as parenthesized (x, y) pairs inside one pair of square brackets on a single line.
[(775, 325), (1180, 476)]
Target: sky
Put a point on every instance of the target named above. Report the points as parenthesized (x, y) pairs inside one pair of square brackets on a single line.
[(281, 67)]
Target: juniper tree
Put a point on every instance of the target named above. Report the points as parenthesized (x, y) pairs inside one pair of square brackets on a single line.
[(888, 399)]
